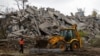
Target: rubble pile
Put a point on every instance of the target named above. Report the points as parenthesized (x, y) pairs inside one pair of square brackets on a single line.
[(33, 21), (37, 22)]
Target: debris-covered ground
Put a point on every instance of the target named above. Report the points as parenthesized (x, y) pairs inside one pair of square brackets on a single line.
[(82, 52)]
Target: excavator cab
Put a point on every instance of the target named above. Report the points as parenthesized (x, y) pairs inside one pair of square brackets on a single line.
[(68, 34)]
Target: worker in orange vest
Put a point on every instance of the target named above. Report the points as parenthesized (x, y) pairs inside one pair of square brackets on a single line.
[(21, 42)]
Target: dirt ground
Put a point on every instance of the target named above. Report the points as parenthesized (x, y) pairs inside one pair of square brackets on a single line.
[(82, 52)]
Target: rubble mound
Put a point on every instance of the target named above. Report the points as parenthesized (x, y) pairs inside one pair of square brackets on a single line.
[(33, 21), (37, 22)]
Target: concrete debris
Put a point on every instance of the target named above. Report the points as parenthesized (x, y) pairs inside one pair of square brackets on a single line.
[(37, 22)]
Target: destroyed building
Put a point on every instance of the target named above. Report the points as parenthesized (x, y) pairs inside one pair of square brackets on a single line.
[(39, 21), (47, 21)]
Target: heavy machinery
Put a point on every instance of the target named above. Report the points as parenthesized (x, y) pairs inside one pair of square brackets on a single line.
[(68, 39)]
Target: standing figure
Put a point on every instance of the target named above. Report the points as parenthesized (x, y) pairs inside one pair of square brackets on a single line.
[(21, 43)]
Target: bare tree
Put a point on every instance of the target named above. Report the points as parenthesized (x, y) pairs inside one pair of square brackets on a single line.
[(23, 5)]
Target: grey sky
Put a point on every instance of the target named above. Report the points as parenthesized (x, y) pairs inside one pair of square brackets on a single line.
[(64, 6)]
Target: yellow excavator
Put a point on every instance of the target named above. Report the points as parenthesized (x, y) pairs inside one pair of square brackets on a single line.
[(68, 39)]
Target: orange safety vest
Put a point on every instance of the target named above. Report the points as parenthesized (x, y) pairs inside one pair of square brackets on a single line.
[(21, 42)]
